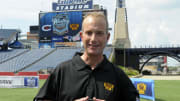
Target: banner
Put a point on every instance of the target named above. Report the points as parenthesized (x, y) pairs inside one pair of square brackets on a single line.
[(19, 81), (145, 88), (46, 45), (60, 26), (64, 5)]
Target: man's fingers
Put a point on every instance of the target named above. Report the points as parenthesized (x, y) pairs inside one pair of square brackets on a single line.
[(94, 99)]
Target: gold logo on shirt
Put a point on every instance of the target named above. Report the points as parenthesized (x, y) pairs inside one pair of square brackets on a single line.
[(108, 86)]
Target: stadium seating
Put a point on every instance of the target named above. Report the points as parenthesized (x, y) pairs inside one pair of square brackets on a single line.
[(36, 59), (7, 55), (24, 60), (51, 61)]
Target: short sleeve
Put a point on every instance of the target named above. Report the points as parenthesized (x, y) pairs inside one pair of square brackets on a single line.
[(49, 89), (127, 90)]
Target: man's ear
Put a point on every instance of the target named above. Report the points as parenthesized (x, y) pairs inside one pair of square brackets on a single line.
[(81, 34), (108, 36)]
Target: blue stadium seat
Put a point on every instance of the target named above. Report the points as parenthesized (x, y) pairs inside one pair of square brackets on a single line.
[(37, 59), (24, 60), (51, 61)]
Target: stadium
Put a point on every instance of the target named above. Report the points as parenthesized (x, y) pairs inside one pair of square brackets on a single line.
[(55, 40), (25, 64), (37, 60)]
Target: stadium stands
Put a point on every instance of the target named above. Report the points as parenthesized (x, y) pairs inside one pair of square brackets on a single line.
[(24, 60), (7, 55), (33, 60), (60, 55)]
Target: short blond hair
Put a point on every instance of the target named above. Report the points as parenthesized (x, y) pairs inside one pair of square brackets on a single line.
[(95, 15)]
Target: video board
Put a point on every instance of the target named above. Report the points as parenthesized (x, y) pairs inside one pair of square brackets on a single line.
[(60, 26)]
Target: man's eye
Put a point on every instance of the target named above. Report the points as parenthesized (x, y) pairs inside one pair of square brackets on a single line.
[(100, 33), (89, 33)]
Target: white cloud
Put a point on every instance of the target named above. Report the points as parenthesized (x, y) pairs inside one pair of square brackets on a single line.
[(153, 22), (22, 13)]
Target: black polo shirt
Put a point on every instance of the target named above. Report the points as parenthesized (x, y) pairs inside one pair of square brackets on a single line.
[(74, 79)]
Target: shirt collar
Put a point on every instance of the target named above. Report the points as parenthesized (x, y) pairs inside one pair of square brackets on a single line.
[(81, 65)]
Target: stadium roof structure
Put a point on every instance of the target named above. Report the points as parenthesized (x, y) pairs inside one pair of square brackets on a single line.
[(7, 35)]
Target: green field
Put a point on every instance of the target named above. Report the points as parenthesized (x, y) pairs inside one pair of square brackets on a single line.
[(19, 94), (165, 90)]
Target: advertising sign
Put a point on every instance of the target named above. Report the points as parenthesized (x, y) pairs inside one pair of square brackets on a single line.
[(46, 45), (64, 5), (19, 81), (60, 26), (145, 88)]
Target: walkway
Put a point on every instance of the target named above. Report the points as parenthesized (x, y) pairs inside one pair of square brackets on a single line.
[(177, 77)]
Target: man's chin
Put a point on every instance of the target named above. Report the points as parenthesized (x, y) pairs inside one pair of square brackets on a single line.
[(94, 53)]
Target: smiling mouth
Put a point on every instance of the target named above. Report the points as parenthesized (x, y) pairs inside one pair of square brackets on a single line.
[(93, 46)]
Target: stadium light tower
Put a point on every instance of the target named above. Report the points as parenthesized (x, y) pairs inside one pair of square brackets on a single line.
[(121, 35)]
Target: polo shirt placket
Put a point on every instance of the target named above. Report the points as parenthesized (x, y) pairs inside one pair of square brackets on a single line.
[(91, 87)]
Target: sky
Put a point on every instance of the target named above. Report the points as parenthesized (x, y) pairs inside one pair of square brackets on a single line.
[(151, 23)]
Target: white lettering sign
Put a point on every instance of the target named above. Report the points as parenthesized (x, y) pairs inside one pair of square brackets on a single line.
[(72, 2), (19, 81), (72, 7)]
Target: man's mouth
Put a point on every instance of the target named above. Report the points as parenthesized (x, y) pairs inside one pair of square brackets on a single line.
[(93, 46)]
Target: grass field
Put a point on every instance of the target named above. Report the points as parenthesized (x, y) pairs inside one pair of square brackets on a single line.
[(19, 94), (165, 90)]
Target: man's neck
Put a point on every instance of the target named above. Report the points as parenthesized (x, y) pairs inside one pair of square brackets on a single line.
[(92, 60)]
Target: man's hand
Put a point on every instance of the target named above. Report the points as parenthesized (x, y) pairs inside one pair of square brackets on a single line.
[(82, 99), (86, 99), (94, 99)]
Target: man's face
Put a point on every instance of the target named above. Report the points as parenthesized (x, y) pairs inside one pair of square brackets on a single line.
[(94, 35)]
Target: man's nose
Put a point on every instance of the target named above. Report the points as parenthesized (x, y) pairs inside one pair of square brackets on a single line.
[(93, 37)]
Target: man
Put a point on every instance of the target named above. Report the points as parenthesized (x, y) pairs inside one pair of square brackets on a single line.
[(89, 76)]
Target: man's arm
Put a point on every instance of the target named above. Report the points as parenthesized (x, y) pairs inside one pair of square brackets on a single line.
[(127, 90), (49, 89)]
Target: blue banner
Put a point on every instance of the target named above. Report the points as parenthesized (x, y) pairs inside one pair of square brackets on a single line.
[(145, 87), (64, 5), (31, 82), (61, 26), (46, 45)]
